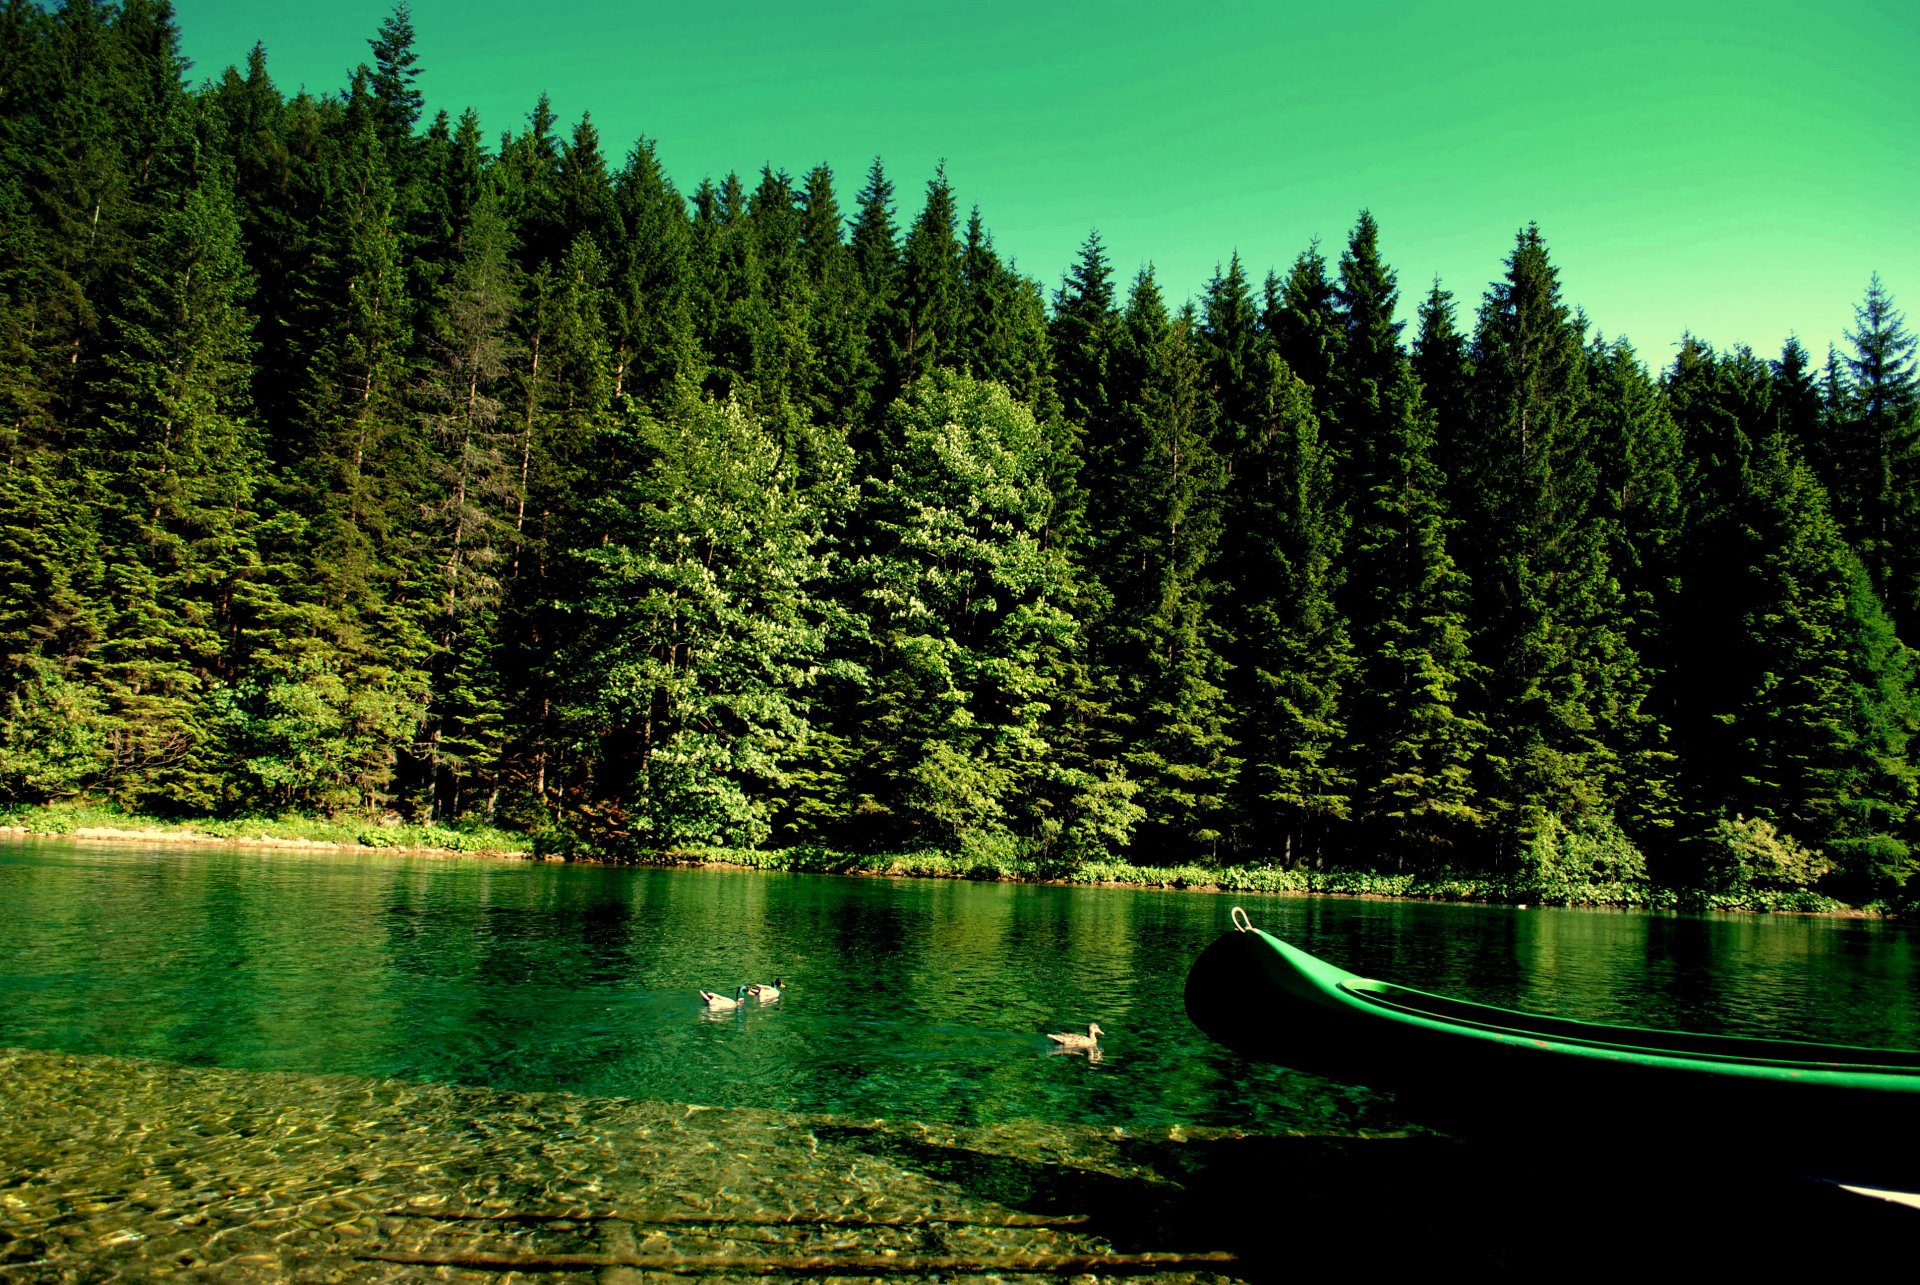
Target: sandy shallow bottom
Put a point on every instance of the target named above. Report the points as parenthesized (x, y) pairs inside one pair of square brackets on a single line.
[(122, 1169)]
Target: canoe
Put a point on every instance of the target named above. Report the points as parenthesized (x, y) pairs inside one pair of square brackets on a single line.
[(1841, 1112)]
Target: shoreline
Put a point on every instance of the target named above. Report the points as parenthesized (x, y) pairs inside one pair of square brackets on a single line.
[(1177, 878), (121, 834)]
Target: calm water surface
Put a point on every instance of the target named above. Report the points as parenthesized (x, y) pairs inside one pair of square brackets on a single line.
[(310, 989)]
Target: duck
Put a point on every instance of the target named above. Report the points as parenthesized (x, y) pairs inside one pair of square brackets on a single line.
[(1074, 1040), (724, 1002), (766, 994)]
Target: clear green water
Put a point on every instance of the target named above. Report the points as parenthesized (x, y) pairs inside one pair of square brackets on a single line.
[(273, 1063)]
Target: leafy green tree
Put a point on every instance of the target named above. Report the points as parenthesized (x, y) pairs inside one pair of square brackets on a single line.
[(967, 630), (693, 634), (54, 728)]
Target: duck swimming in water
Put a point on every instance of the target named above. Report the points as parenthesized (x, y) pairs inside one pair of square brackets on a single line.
[(1072, 1040), (720, 1003), (766, 994)]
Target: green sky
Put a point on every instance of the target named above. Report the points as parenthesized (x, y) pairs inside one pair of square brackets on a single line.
[(1737, 170)]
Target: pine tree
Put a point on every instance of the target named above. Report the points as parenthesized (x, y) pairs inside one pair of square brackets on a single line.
[(1879, 450), (1412, 748), (1154, 482), (1439, 360), (397, 101), (462, 398), (927, 309), (846, 375), (1287, 644), (1298, 317), (1566, 687), (652, 323), (1086, 327), (1231, 343), (1824, 728)]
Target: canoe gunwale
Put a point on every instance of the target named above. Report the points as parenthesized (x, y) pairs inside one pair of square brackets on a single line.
[(1347, 998), (1512, 1078)]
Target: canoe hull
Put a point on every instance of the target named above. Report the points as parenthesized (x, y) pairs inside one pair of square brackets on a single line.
[(1483, 1072)]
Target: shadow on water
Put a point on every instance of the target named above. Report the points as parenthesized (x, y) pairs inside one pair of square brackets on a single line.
[(1285, 1205)]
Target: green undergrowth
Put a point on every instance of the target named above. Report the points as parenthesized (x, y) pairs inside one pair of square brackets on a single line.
[(72, 816), (1248, 879)]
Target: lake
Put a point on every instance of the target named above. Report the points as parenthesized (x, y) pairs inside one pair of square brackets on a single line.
[(279, 1062)]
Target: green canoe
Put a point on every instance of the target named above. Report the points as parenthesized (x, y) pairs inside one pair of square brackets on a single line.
[(1473, 1069)]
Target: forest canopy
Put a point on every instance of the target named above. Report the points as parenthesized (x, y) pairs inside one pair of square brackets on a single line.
[(360, 461)]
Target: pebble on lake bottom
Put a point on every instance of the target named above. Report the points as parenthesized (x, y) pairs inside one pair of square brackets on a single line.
[(136, 1169)]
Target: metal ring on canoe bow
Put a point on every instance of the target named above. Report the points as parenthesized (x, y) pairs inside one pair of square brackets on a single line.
[(1240, 921)]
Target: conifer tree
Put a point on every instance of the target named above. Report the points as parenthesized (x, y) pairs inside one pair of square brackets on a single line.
[(1298, 317), (397, 100), (1153, 481), (927, 309), (845, 375), (1565, 685), (1439, 359), (1085, 329), (182, 461), (652, 322), (1412, 748), (1231, 342), (461, 397), (1824, 727), (875, 246), (1879, 450), (1291, 660)]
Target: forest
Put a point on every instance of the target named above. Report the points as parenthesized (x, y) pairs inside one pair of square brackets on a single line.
[(361, 462)]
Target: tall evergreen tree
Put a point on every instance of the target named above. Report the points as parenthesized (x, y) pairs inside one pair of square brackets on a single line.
[(462, 397), (652, 322), (175, 447), (1231, 343), (1298, 316), (1412, 749), (1439, 358), (397, 100), (1287, 643), (1153, 481), (1879, 450), (927, 311), (1566, 687), (1086, 327)]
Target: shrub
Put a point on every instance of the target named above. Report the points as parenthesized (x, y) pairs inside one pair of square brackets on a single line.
[(1747, 854)]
